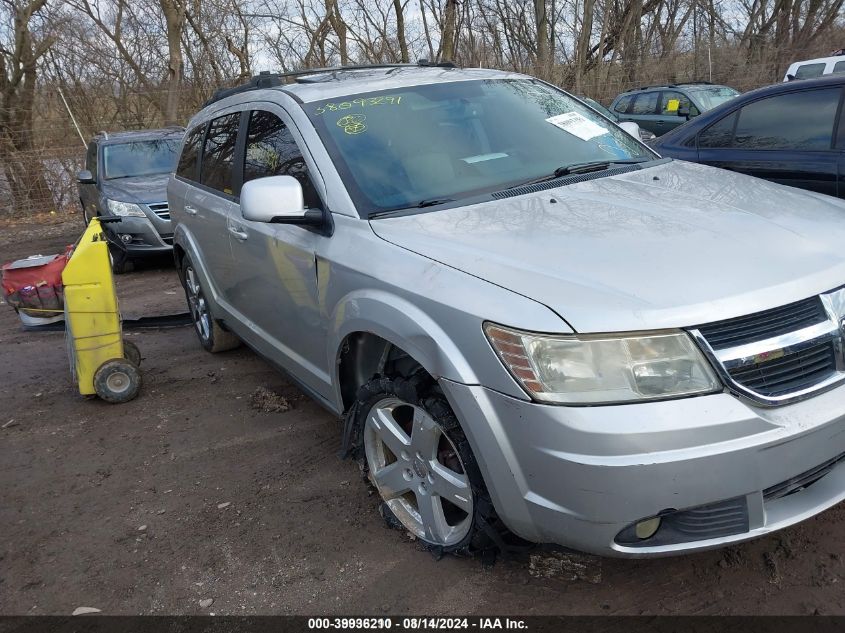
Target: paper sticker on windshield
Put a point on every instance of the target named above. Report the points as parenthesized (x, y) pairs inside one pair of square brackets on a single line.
[(577, 125), (672, 105)]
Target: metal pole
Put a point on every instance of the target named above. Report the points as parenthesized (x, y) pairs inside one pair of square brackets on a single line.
[(72, 118)]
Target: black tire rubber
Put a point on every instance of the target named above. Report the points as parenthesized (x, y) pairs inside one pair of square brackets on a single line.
[(487, 533), (106, 373), (131, 352), (120, 261), (219, 339)]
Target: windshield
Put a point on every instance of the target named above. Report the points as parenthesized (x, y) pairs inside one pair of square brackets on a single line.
[(140, 158), (399, 148), (709, 98)]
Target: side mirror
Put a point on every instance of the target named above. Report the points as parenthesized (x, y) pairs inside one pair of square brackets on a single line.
[(85, 177), (631, 128), (684, 111), (277, 199)]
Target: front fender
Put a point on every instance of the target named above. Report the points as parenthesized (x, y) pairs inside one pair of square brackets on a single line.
[(401, 323)]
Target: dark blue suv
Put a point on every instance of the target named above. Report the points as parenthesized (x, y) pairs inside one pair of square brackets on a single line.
[(792, 133)]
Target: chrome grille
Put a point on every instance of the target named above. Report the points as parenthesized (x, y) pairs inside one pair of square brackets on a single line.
[(790, 373), (763, 325), (802, 481), (161, 209), (781, 355)]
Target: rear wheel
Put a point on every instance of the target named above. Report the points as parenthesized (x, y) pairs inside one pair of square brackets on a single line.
[(211, 334), (415, 454)]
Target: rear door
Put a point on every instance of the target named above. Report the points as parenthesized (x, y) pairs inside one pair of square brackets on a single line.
[(786, 138), (209, 202)]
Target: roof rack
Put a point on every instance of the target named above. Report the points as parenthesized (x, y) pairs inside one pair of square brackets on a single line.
[(266, 79), (674, 84)]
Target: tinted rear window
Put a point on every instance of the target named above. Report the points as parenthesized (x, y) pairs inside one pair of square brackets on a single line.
[(219, 151), (646, 103)]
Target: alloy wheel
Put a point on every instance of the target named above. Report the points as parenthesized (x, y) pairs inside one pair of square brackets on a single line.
[(418, 472), (197, 305)]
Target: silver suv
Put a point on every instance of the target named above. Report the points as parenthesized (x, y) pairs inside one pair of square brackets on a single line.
[(532, 326)]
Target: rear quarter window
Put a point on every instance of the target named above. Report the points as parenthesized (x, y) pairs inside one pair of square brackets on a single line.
[(808, 71), (623, 104)]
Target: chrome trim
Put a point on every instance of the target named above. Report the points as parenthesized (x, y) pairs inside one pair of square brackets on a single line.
[(733, 358), (783, 345)]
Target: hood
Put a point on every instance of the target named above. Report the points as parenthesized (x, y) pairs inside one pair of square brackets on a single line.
[(143, 189), (674, 245)]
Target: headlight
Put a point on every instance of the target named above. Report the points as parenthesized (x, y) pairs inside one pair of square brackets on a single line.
[(126, 209), (601, 369)]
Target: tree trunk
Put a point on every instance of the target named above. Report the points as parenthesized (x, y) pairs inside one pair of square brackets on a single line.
[(543, 62), (174, 16), (450, 18), (400, 31)]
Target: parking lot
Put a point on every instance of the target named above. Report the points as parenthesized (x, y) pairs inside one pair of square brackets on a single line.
[(198, 491)]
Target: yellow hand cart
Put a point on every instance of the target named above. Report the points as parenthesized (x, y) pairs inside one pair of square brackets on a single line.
[(101, 361)]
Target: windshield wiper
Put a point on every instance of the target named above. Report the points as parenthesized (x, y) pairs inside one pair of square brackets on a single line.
[(422, 204), (581, 168)]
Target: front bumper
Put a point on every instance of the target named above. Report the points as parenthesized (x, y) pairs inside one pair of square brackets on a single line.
[(144, 238), (578, 476)]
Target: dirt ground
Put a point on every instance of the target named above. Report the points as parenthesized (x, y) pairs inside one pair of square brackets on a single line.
[(189, 494)]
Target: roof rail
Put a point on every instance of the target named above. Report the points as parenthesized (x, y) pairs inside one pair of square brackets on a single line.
[(266, 79)]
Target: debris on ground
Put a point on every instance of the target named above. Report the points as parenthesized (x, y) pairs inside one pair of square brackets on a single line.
[(225, 504), (143, 528), (267, 401), (565, 566), (84, 610), (10, 423), (207, 602)]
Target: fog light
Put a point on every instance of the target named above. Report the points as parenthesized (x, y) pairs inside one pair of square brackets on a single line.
[(646, 529), (125, 238)]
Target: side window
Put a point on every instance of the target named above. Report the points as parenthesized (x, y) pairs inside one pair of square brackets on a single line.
[(667, 105), (796, 120), (91, 159), (219, 151), (645, 103), (623, 104), (272, 151), (838, 67), (187, 167), (808, 71), (720, 134)]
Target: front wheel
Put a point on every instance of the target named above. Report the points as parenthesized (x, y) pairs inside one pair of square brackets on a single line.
[(415, 454)]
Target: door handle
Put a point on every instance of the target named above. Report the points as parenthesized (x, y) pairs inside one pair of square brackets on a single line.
[(237, 233), (190, 210)]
